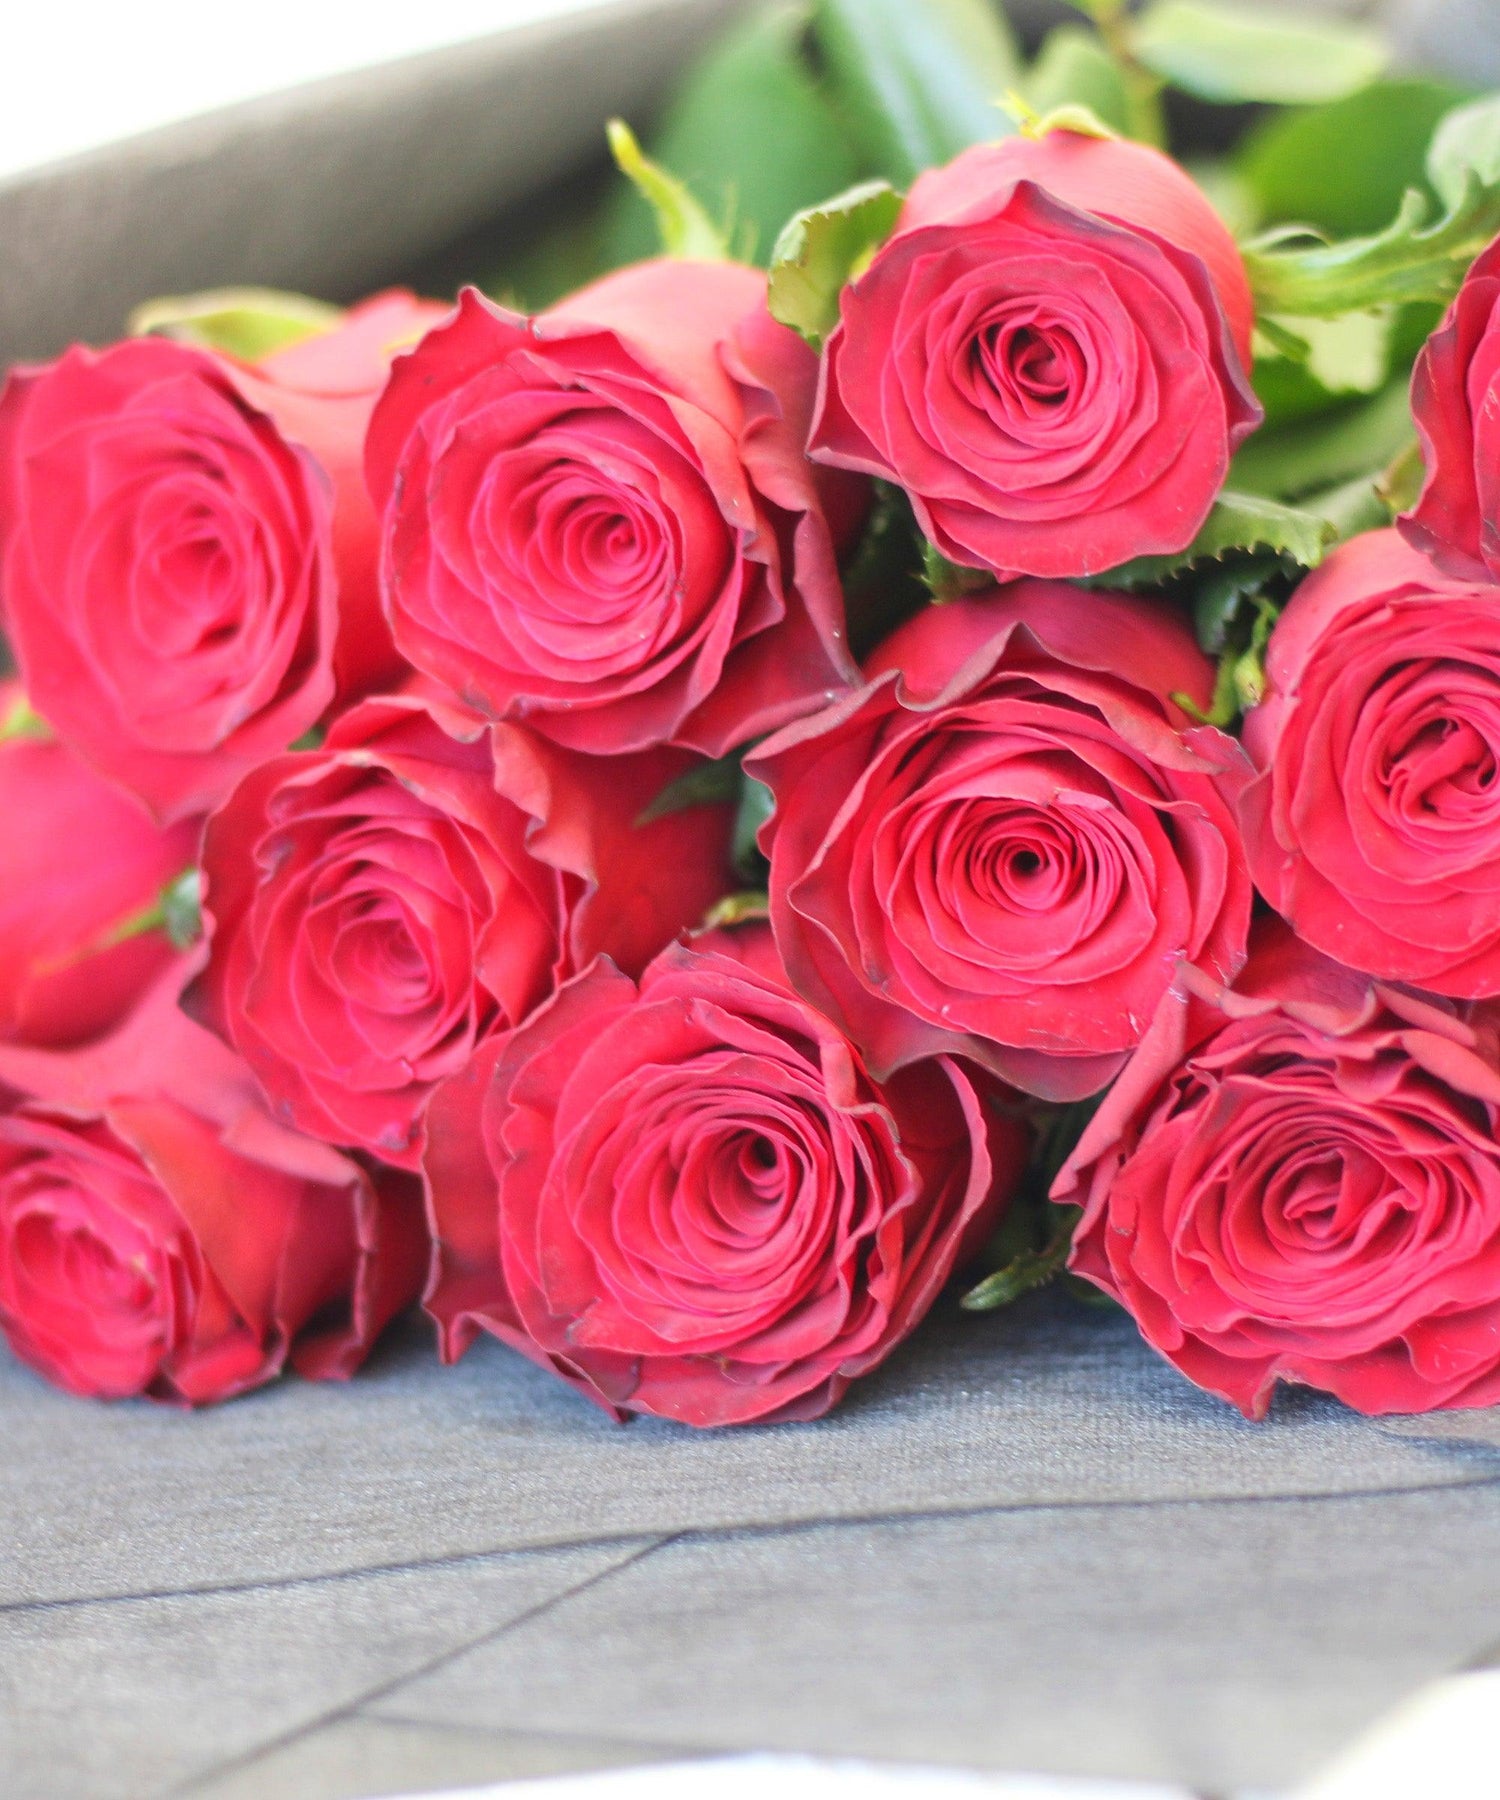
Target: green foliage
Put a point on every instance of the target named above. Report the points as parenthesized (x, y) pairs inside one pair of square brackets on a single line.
[(247, 323), (752, 131), (916, 84), (1322, 451), (1234, 53), (821, 249), (1238, 522), (1344, 167), (1073, 68), (684, 225)]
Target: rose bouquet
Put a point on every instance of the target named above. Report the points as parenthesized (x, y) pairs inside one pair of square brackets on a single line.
[(672, 809)]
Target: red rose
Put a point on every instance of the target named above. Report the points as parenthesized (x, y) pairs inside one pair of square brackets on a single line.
[(166, 569), (689, 1198), (1298, 1180), (602, 521), (376, 908), (1003, 846), (1374, 824), (161, 1234), (79, 864), (1455, 400), (321, 392), (1049, 355)]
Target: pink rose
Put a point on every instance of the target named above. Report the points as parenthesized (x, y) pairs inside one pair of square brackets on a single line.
[(688, 1197), (1049, 355), (1003, 846), (1298, 1180), (162, 1234), (376, 908), (80, 864), (1374, 823), (602, 522)]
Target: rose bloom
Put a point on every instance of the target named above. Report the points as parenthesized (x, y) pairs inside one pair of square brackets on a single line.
[(688, 1197), (178, 570), (1049, 355), (1374, 823), (1455, 400), (1004, 844), (80, 863), (376, 908), (162, 1234), (1298, 1180), (602, 520), (321, 391)]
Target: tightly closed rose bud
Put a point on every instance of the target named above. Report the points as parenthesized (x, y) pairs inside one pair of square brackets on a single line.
[(688, 1197), (166, 569), (321, 392), (376, 908), (602, 521), (1374, 823), (1455, 400), (1003, 846), (161, 1234), (1298, 1180), (1049, 355), (80, 865)]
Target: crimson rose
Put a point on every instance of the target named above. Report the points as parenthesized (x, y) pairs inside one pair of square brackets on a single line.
[(376, 908), (1049, 355), (1374, 823), (161, 1234), (1455, 400), (602, 521), (688, 1197), (1298, 1180), (80, 864), (1003, 846)]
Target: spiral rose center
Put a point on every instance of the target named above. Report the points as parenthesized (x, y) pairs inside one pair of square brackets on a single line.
[(1032, 366)]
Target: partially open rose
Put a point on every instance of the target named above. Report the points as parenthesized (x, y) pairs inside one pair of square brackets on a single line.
[(1049, 355), (376, 908), (1003, 846), (161, 1234), (602, 521), (688, 1197), (1299, 1180)]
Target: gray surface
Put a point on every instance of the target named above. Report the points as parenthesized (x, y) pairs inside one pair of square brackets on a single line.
[(1051, 1404), (1025, 1544), (328, 187)]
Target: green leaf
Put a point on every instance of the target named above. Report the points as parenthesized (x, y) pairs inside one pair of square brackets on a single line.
[(756, 804), (247, 323), (1413, 259), (686, 229), (1028, 1264), (821, 249), (1238, 522), (1229, 53), (1466, 142), (704, 784), (21, 722), (1288, 461), (751, 130), (1224, 594), (1344, 167), (1305, 366), (916, 83), (1074, 69), (949, 580), (182, 909)]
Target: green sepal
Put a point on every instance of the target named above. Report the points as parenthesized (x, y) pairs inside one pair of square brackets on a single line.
[(756, 804), (22, 722), (823, 248), (245, 323), (684, 225), (737, 908), (950, 580), (1031, 1258), (714, 783)]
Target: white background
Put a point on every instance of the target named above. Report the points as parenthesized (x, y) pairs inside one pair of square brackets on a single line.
[(80, 73)]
